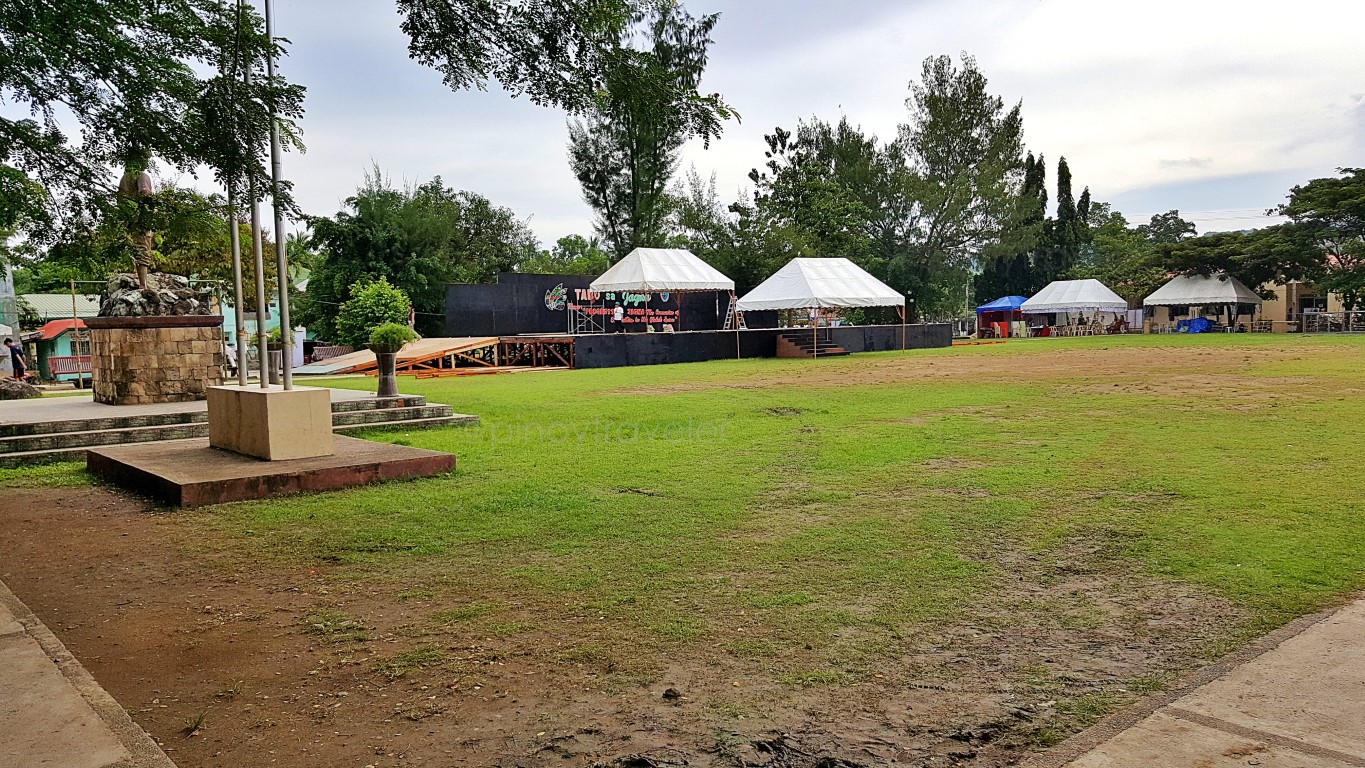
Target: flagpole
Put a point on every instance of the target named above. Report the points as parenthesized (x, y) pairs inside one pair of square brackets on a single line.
[(281, 256)]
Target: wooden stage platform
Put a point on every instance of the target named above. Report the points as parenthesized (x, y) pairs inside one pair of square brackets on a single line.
[(458, 356)]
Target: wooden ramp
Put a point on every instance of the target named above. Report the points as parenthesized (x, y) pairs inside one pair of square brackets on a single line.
[(421, 355)]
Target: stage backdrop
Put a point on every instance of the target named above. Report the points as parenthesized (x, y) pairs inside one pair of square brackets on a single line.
[(524, 304)]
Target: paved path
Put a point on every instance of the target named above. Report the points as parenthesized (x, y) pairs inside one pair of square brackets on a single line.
[(81, 407), (1295, 700), (52, 712)]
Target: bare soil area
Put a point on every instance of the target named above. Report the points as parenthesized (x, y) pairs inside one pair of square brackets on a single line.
[(317, 667)]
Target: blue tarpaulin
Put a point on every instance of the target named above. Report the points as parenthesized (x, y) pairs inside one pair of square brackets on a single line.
[(1195, 325), (1006, 304)]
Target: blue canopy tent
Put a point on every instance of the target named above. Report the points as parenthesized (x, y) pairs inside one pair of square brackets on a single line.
[(997, 318), (1005, 304)]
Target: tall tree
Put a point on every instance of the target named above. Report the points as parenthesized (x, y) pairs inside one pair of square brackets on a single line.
[(1167, 229), (1330, 214), (1066, 237), (624, 150), (1007, 268), (966, 151)]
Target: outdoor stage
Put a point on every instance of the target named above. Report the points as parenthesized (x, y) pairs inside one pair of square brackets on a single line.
[(462, 356)]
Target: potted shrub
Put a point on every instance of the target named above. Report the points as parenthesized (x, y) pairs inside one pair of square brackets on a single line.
[(386, 341)]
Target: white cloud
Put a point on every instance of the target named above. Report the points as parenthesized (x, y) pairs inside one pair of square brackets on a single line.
[(1140, 96)]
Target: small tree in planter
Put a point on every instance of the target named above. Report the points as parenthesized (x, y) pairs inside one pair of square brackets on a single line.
[(386, 342)]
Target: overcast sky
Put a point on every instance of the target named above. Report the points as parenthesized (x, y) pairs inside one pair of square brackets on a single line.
[(1214, 107)]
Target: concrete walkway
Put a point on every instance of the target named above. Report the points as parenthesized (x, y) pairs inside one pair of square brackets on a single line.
[(1296, 699), (52, 712), (83, 407)]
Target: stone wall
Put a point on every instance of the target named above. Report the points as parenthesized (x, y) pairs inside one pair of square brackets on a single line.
[(137, 360)]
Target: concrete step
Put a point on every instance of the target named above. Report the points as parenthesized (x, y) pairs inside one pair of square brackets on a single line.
[(57, 440), (354, 418), (163, 419), (375, 403), (440, 421), (67, 441), (94, 425)]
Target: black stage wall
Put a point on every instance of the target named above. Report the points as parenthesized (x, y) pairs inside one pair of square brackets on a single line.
[(512, 306), (620, 350), (537, 304)]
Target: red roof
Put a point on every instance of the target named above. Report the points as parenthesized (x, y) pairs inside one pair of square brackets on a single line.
[(57, 327)]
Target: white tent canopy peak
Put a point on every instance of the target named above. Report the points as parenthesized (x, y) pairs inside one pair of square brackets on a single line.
[(824, 283), (661, 270), (1074, 296), (1202, 291)]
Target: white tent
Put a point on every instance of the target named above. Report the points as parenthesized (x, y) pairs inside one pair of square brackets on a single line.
[(824, 283), (1202, 291), (661, 270), (1075, 296)]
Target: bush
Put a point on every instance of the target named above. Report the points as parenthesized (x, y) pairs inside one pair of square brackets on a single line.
[(390, 337), (371, 305)]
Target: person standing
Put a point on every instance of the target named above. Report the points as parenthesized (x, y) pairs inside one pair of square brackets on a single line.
[(618, 319), (16, 358)]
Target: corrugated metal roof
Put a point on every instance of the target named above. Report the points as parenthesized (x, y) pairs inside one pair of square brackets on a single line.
[(54, 306)]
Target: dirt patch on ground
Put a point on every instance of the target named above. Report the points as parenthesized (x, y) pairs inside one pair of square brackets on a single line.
[(310, 666)]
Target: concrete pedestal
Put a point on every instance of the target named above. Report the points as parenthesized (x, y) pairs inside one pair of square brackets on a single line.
[(271, 423)]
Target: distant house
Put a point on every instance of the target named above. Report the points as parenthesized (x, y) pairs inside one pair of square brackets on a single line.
[(57, 306), (57, 358)]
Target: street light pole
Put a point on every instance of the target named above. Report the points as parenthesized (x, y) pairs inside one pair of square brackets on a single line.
[(281, 257)]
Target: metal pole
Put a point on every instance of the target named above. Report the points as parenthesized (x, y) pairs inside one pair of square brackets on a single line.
[(238, 308), (262, 299), (281, 257), (76, 339)]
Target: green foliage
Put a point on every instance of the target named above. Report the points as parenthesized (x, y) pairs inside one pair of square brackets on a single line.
[(191, 239), (1260, 258), (1007, 267), (624, 151), (420, 238), (127, 75), (390, 337), (556, 52), (1066, 239), (1120, 257), (967, 153), (1167, 229), (1329, 214), (372, 304), (572, 255)]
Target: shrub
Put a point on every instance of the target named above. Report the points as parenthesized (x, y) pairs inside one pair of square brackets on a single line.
[(371, 305), (390, 337)]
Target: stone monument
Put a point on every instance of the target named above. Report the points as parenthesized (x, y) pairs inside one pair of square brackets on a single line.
[(154, 344)]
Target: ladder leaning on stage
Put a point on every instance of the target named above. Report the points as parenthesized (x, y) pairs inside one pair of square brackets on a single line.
[(734, 319)]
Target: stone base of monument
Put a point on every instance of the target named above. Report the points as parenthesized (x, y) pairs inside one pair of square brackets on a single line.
[(155, 359), (271, 423), (189, 473)]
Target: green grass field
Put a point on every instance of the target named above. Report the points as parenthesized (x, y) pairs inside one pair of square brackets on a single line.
[(823, 523), (867, 492)]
